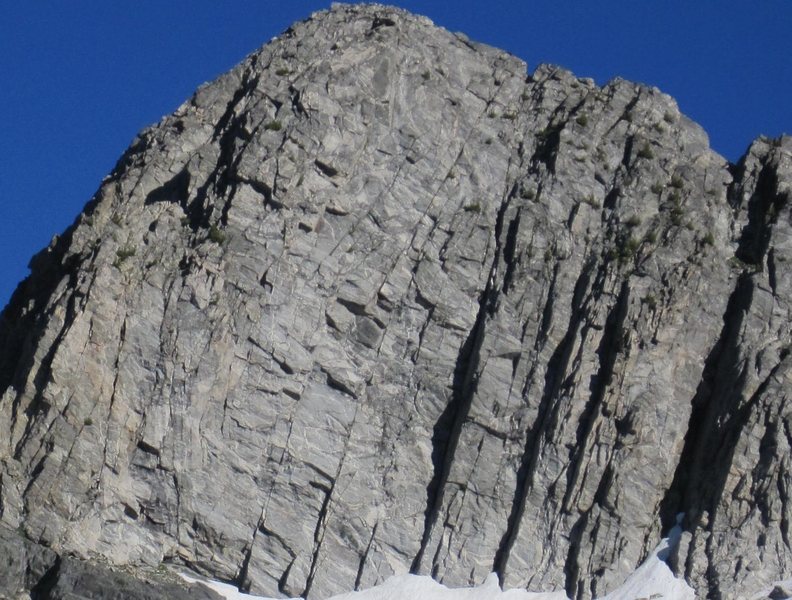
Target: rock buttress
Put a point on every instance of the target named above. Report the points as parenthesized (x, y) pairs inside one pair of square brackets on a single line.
[(378, 299)]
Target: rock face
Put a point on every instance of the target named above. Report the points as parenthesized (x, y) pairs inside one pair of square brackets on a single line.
[(378, 300), (32, 571)]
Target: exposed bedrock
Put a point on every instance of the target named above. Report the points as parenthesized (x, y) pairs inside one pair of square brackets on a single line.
[(380, 300)]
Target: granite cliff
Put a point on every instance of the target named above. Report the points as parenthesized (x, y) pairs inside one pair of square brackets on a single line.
[(381, 300)]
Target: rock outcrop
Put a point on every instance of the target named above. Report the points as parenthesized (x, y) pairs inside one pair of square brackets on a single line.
[(32, 571), (380, 300)]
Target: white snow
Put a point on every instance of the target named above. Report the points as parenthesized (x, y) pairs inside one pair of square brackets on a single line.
[(652, 580), (407, 587), (224, 589), (418, 587)]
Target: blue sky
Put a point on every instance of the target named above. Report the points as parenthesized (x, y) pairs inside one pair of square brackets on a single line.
[(79, 79)]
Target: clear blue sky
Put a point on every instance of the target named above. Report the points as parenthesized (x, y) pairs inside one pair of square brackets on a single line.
[(79, 79)]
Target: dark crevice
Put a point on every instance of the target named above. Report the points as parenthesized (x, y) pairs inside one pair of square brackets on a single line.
[(227, 130), (34, 473), (609, 348), (261, 188), (42, 589), (573, 585), (382, 22), (626, 114), (319, 532), (548, 142), (545, 419), (22, 322), (711, 489), (605, 484), (247, 86), (719, 417), (338, 385), (509, 252), (719, 409), (783, 494), (765, 203), (628, 148), (364, 558), (547, 311), (2, 504), (768, 447), (772, 275), (284, 578), (148, 448), (325, 168), (173, 190), (242, 581), (707, 404), (39, 407), (611, 198), (354, 307), (447, 429), (296, 102)]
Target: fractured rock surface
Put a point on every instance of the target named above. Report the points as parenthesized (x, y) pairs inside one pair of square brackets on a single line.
[(380, 300), (32, 571)]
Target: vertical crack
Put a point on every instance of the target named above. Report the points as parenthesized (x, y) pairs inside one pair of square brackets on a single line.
[(226, 131), (766, 202), (38, 406), (321, 525), (719, 408), (545, 418), (610, 346), (447, 429), (708, 408), (364, 558), (509, 252)]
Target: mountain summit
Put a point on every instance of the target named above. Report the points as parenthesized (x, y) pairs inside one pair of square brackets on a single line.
[(379, 300)]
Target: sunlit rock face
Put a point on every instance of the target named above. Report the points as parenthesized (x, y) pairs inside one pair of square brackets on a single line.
[(381, 300)]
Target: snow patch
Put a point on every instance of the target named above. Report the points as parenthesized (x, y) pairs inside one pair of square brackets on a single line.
[(225, 590), (419, 587), (653, 580), (404, 587)]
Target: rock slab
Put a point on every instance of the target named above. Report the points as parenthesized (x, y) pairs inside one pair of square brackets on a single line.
[(380, 300)]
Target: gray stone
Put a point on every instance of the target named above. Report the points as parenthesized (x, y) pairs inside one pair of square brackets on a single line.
[(380, 300), (77, 579), (29, 570), (22, 564)]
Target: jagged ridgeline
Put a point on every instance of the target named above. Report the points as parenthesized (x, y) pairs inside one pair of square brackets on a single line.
[(379, 299)]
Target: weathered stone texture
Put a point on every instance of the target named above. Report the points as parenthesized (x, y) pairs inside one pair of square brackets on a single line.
[(378, 299), (32, 572)]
